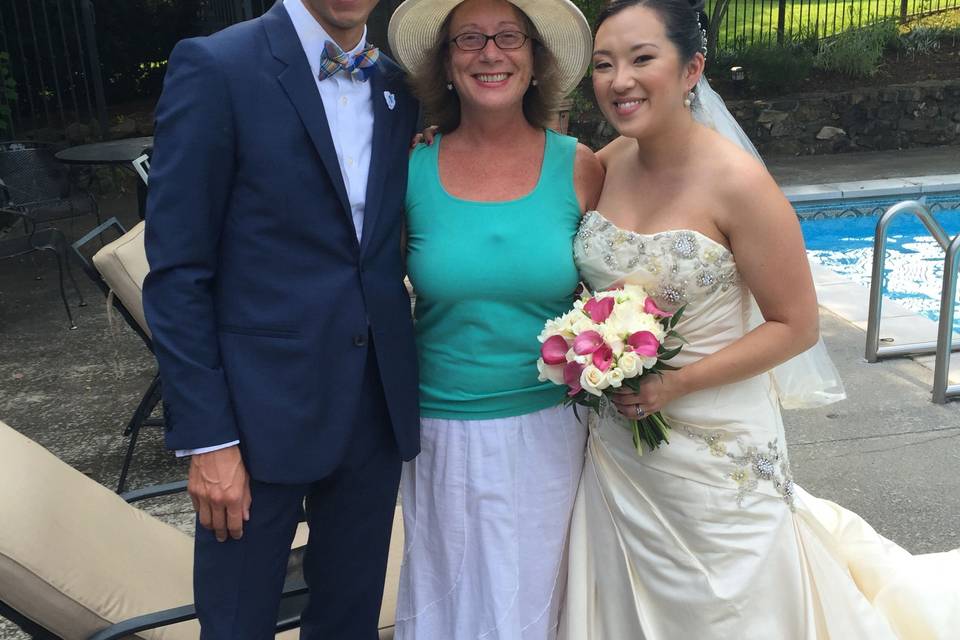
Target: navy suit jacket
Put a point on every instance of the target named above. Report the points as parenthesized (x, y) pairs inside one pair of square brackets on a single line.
[(259, 297)]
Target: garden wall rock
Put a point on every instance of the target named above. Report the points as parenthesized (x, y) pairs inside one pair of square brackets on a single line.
[(867, 119)]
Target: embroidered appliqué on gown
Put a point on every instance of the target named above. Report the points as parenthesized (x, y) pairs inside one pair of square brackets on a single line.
[(684, 265), (753, 464)]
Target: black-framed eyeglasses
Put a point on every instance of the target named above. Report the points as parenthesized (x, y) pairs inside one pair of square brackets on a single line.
[(504, 40)]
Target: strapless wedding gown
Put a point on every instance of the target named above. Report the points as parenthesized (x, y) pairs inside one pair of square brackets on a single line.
[(708, 537)]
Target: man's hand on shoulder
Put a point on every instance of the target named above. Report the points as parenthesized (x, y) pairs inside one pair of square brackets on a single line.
[(220, 489)]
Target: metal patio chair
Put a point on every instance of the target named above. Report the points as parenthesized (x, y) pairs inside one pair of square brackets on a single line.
[(19, 236), (118, 269), (38, 185)]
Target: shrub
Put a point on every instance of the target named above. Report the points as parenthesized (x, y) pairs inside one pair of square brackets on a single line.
[(922, 41), (768, 65), (857, 53)]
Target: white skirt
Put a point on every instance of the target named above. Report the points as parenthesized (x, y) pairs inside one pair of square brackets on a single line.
[(486, 509)]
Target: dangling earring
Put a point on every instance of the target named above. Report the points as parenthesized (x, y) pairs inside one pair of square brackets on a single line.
[(449, 86), (533, 82), (691, 97)]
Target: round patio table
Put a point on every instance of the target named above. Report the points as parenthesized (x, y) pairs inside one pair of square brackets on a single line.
[(122, 152), (113, 152)]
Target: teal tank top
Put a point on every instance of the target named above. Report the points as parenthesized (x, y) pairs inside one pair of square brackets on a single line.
[(487, 276)]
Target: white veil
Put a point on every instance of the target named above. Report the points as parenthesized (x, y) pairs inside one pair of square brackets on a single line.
[(809, 379)]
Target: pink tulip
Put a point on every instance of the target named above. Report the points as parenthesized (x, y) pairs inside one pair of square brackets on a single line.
[(603, 357), (571, 377), (598, 309), (587, 342), (644, 343), (554, 350), (649, 306)]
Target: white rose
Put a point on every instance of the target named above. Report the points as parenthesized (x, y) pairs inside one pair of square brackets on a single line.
[(648, 362), (614, 377), (612, 331), (551, 372), (634, 292), (629, 364), (593, 380), (550, 328), (582, 325)]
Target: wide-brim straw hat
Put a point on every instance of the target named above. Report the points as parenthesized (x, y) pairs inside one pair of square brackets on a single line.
[(562, 27)]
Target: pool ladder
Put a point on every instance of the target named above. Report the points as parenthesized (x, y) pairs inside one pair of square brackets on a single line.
[(943, 347)]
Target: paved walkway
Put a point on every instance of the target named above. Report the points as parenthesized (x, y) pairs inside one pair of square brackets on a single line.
[(887, 452), (846, 167)]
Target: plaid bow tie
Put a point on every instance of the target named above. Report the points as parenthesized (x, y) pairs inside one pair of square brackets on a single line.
[(334, 60)]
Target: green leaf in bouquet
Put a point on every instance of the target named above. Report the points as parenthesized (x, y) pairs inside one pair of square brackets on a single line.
[(666, 354), (675, 318), (663, 366), (674, 334), (637, 438)]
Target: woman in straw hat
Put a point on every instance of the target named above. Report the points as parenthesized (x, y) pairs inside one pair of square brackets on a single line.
[(492, 209)]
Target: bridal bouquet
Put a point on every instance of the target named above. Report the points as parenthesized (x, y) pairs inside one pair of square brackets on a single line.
[(610, 339)]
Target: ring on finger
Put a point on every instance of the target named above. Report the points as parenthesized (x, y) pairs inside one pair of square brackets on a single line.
[(639, 411)]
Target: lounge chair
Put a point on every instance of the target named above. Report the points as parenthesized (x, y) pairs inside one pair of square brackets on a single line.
[(78, 562)]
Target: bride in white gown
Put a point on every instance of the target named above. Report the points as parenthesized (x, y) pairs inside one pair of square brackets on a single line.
[(708, 537)]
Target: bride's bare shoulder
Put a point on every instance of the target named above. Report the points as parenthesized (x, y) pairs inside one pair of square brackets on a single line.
[(734, 173), (741, 186)]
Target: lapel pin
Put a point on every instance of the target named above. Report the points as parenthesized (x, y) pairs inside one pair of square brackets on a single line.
[(391, 100)]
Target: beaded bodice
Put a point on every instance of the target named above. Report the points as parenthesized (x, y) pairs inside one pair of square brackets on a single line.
[(676, 267)]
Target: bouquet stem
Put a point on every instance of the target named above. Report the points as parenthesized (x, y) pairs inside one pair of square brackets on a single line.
[(650, 431)]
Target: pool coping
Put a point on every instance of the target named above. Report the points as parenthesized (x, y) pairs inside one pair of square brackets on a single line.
[(850, 300), (916, 186)]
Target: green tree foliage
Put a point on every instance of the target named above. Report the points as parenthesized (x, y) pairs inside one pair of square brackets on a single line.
[(8, 92), (135, 37), (590, 9)]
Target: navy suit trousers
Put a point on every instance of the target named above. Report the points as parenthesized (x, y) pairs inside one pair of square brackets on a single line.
[(350, 515)]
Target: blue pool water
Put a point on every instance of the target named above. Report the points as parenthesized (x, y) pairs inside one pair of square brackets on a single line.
[(914, 263)]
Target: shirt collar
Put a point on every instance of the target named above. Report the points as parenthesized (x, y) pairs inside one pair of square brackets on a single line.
[(313, 36)]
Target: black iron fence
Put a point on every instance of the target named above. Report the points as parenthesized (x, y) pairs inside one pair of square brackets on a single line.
[(68, 64), (53, 61), (217, 14), (748, 22)]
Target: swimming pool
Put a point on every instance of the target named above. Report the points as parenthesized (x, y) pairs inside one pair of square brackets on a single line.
[(839, 235)]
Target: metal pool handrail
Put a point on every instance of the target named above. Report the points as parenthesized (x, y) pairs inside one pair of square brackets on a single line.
[(942, 389), (943, 346)]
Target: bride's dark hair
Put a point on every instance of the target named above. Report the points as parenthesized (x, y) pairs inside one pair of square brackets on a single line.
[(683, 20)]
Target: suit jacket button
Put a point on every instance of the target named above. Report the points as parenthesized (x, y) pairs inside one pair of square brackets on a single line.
[(359, 341)]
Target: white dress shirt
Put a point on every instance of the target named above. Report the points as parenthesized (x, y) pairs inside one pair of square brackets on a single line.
[(347, 103)]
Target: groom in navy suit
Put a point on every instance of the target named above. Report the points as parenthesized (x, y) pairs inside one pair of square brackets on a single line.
[(279, 317)]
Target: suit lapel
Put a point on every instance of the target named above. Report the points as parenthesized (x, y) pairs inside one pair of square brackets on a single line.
[(378, 152), (297, 81)]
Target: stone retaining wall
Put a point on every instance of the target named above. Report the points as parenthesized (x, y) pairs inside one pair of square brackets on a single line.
[(873, 118)]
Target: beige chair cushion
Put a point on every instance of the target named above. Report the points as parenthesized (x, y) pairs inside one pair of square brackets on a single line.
[(75, 558), (123, 266)]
